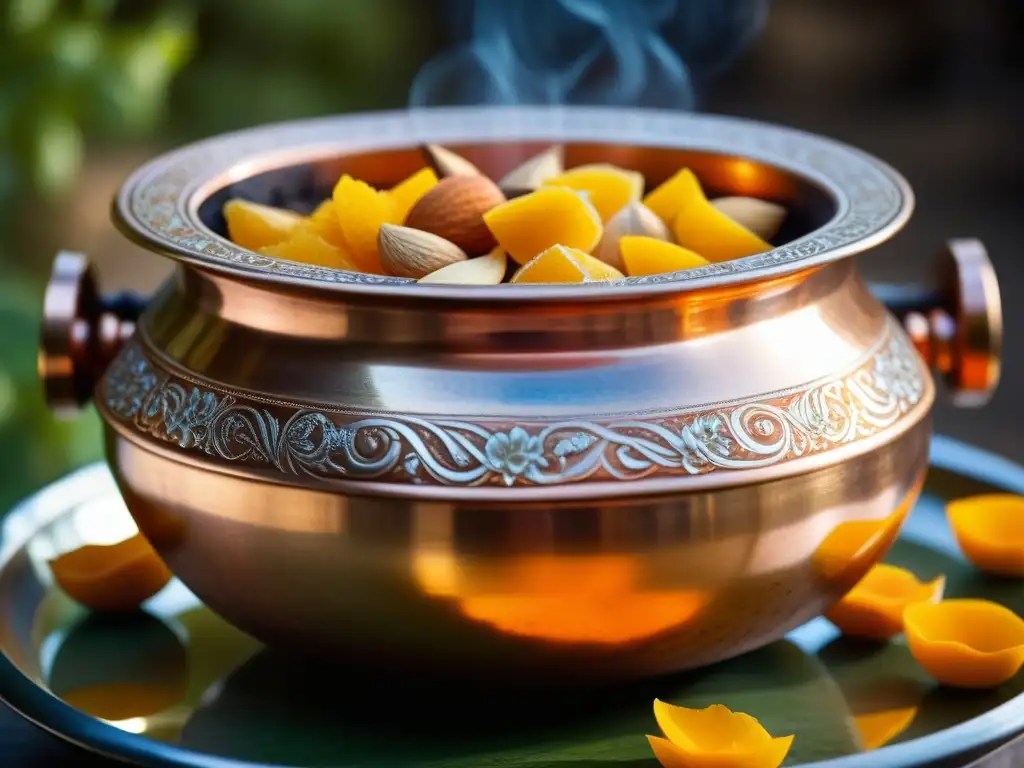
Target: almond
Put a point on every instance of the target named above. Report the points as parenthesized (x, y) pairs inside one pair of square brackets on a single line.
[(446, 163), (454, 210), (759, 216), (483, 270), (635, 219), (534, 172), (408, 252)]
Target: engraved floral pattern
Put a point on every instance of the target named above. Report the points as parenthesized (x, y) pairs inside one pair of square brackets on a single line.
[(514, 454), (288, 439)]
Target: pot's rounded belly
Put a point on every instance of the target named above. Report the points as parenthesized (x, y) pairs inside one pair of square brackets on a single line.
[(608, 491), (607, 589)]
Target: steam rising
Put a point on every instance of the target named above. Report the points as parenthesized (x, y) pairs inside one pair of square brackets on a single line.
[(649, 53)]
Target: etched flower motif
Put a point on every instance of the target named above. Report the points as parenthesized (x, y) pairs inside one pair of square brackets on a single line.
[(705, 431), (129, 382), (514, 454), (897, 373), (192, 417)]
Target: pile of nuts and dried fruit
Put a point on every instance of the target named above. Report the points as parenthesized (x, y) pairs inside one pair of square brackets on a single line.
[(449, 223)]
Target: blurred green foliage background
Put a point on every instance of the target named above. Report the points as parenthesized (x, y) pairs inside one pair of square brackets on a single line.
[(88, 88)]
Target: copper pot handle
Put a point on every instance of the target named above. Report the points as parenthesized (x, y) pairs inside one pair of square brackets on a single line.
[(957, 327), (82, 331)]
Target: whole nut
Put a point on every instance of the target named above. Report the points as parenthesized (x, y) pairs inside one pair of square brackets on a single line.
[(446, 163), (529, 175), (454, 210), (635, 219), (407, 252), (761, 217)]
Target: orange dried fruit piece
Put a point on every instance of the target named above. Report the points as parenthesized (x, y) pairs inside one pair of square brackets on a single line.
[(715, 737), (407, 193), (703, 228), (966, 643), (874, 608), (323, 223), (528, 225), (609, 187), (990, 531), (254, 226), (650, 256), (361, 210), (560, 264), (666, 200), (309, 248), (113, 578)]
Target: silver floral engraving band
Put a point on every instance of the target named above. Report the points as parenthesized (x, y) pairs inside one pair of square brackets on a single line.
[(295, 441)]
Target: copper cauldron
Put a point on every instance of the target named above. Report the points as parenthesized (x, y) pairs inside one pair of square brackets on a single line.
[(604, 480)]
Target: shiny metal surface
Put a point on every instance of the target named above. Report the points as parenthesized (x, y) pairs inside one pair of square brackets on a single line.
[(614, 482), (174, 685), (415, 398), (604, 589)]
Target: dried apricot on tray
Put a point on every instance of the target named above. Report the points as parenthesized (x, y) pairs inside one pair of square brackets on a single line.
[(990, 531), (966, 643), (714, 737), (874, 608), (115, 578)]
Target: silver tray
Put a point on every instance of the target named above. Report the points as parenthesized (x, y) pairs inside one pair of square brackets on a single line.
[(174, 685)]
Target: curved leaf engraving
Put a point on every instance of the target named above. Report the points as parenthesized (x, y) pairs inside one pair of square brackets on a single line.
[(864, 401)]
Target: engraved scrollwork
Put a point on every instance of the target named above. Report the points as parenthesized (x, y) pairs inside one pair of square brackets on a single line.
[(869, 398)]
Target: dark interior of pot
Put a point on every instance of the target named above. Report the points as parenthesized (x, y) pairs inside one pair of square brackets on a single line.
[(302, 186)]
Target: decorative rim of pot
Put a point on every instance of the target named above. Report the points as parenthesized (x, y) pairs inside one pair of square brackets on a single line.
[(158, 206)]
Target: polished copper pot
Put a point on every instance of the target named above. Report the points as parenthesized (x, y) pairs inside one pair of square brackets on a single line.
[(608, 480)]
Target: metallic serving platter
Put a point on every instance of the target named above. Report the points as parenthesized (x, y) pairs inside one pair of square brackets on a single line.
[(174, 685)]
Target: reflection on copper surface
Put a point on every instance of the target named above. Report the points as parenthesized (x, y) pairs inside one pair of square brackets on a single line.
[(852, 547), (566, 599)]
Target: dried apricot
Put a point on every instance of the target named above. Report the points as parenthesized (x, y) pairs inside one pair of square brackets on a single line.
[(650, 256), (703, 228), (560, 264), (255, 226), (874, 608), (323, 223), (610, 188), (116, 577), (407, 193), (966, 643), (666, 199), (361, 210), (990, 531), (308, 248), (525, 226), (714, 737)]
